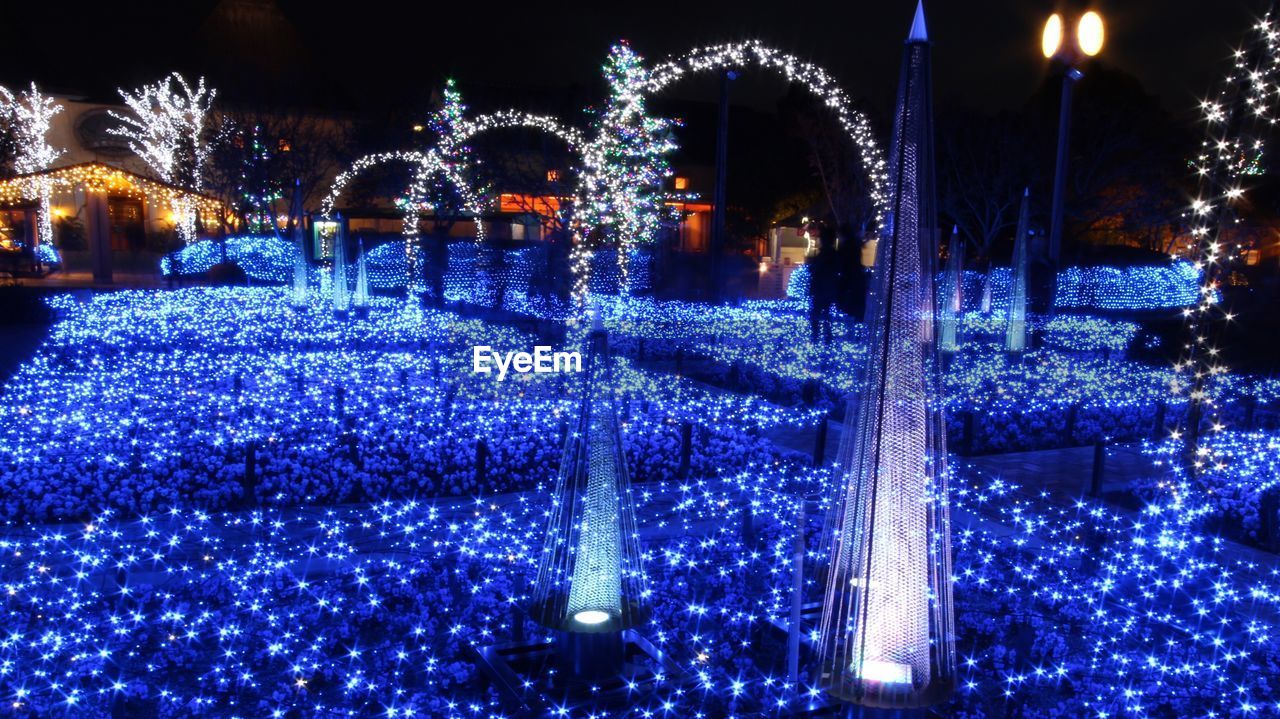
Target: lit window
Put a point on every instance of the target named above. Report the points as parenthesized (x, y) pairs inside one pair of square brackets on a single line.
[(284, 145), (682, 183), (553, 175)]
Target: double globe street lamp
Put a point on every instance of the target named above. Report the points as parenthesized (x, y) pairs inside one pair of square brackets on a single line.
[(1085, 42)]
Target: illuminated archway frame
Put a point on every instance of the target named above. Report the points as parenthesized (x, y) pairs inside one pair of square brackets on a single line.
[(428, 164), (815, 79), (819, 82)]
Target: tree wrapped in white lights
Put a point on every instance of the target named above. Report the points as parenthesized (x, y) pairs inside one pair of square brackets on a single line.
[(1015, 337), (620, 199), (1237, 119), (166, 127), (886, 636), (590, 576), (28, 115), (951, 300)]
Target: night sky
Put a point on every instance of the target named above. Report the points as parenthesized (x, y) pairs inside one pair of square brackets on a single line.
[(375, 54)]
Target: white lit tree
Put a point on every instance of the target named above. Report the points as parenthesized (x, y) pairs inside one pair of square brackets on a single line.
[(620, 194), (28, 116), (167, 128)]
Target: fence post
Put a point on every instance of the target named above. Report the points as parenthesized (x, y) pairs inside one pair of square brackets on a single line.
[(1099, 464), (686, 448), (482, 460), (1157, 427), (820, 443)]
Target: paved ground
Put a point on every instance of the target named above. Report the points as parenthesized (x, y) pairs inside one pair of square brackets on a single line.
[(77, 279)]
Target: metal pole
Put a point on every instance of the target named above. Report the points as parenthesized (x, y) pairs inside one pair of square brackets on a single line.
[(718, 200), (1060, 173)]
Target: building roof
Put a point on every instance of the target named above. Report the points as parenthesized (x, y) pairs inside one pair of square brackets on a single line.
[(99, 176)]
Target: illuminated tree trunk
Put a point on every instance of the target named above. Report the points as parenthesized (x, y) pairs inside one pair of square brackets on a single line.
[(886, 637)]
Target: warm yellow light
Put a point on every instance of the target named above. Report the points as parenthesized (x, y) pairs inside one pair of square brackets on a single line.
[(1051, 39), (1090, 34)]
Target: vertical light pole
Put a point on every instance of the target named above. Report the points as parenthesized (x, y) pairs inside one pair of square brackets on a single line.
[(1086, 42)]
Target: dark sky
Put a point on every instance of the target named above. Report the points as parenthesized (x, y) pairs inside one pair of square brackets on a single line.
[(380, 54)]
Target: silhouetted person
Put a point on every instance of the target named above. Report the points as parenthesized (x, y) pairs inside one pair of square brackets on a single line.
[(852, 298), (824, 283)]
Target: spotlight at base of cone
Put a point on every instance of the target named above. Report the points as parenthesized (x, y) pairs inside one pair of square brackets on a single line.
[(591, 617), (875, 670)]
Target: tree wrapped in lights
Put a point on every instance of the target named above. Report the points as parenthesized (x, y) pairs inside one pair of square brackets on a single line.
[(887, 636), (166, 127), (28, 116), (1015, 339), (949, 310), (590, 577), (620, 198), (1236, 120)]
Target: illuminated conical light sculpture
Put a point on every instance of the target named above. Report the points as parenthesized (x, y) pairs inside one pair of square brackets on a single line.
[(590, 583), (950, 300), (341, 291), (361, 296), (299, 267), (1015, 339), (886, 637)]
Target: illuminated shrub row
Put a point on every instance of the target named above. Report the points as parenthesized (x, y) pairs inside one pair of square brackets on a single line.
[(1142, 287), (1239, 469)]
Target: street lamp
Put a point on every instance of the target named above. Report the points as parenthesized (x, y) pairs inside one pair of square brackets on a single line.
[(1085, 42)]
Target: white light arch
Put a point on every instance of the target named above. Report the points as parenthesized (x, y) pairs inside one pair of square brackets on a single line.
[(819, 82)]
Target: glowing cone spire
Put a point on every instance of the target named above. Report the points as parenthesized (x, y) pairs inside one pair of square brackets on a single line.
[(950, 301), (299, 267), (886, 637), (590, 577), (341, 292), (1016, 335), (361, 297)]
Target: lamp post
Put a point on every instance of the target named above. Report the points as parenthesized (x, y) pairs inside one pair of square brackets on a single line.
[(1085, 42)]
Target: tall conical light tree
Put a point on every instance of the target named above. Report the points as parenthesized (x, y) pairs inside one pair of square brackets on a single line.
[(361, 296), (590, 577), (950, 300), (299, 266), (341, 291), (1015, 339), (886, 637)]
